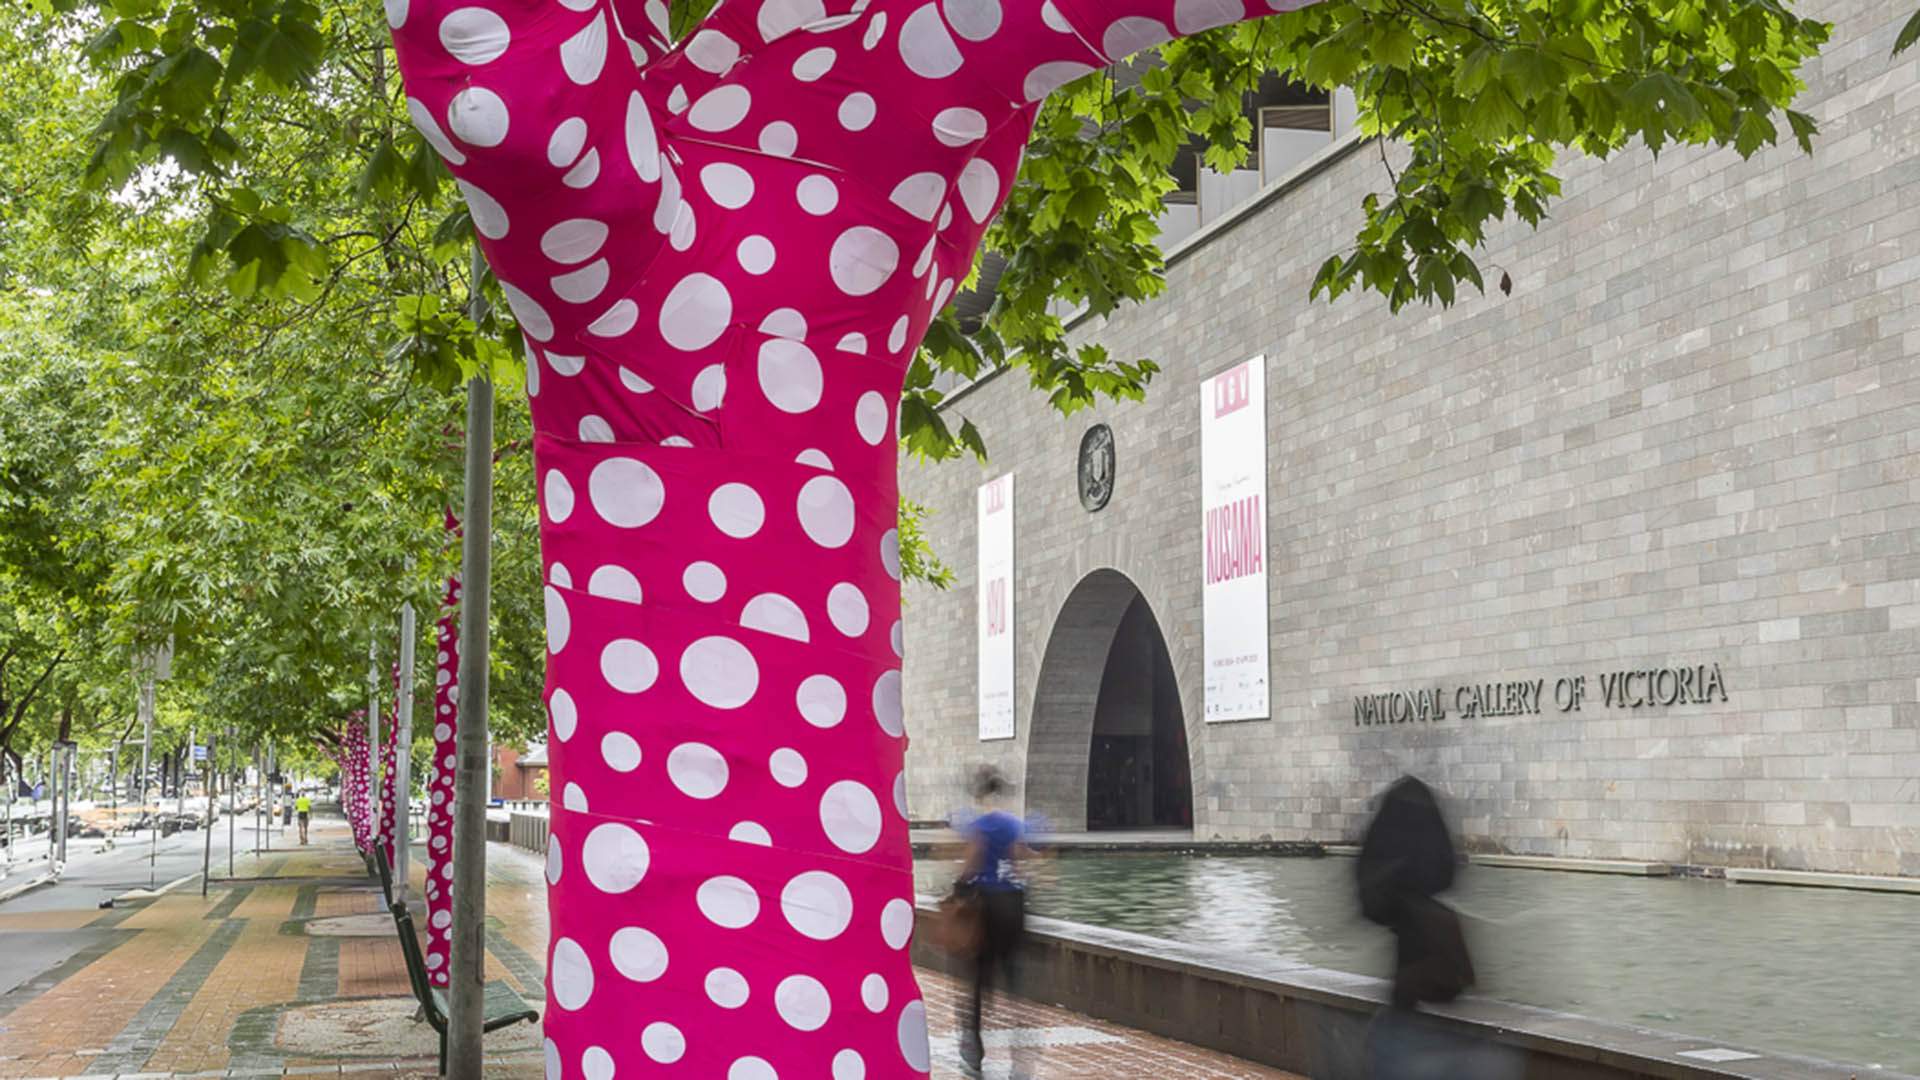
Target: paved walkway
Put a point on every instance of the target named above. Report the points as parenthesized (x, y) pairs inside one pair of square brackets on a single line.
[(292, 969)]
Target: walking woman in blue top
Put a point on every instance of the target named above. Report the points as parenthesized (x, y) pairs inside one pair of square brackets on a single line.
[(996, 842)]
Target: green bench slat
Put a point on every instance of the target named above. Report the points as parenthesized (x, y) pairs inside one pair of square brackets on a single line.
[(502, 1006)]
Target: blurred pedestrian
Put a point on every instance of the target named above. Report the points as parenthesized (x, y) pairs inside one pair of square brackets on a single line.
[(990, 894), (1406, 861), (303, 806)]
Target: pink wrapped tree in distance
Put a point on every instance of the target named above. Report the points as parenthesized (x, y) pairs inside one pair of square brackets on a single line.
[(723, 253), (353, 780), (389, 744), (446, 724)]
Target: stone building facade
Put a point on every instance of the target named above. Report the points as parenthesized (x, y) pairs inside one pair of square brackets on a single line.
[(1690, 437)]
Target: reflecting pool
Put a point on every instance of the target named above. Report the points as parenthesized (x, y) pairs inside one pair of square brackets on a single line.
[(1825, 973)]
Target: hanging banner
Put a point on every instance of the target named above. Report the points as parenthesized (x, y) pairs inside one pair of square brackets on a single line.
[(1233, 506), (996, 609)]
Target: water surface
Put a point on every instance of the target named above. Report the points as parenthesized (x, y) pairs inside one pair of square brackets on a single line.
[(1824, 973)]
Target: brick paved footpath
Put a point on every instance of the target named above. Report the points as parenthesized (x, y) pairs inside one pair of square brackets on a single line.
[(295, 971)]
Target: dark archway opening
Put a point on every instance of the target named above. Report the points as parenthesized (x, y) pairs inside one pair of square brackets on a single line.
[(1137, 769)]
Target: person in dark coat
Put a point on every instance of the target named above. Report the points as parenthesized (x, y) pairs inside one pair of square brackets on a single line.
[(1406, 860)]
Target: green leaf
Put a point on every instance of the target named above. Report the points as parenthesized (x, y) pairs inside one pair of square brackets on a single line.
[(1394, 46), (187, 151), (283, 51), (1493, 114), (184, 83), (1909, 34), (1474, 71), (1756, 131), (971, 440), (455, 229), (1804, 129), (1531, 74), (384, 173), (1660, 100)]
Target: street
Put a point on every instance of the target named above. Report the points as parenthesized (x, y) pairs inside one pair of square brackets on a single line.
[(93, 876)]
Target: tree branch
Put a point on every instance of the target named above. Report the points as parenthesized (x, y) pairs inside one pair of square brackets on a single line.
[(20, 707)]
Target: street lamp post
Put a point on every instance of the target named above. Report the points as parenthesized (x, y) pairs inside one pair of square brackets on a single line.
[(57, 757), (154, 666), (180, 775), (146, 740), (113, 793), (12, 783), (233, 808), (268, 801), (208, 760), (259, 797)]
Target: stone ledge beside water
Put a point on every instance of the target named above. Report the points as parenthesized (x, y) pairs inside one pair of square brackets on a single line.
[(1311, 1020)]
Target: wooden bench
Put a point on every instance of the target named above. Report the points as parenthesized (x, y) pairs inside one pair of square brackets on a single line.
[(503, 1007), (384, 871)]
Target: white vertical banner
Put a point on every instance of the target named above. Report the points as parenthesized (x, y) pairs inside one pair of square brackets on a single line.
[(996, 609), (1233, 507)]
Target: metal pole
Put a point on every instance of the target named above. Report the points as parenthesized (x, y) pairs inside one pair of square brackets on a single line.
[(180, 777), (466, 989), (153, 849), (257, 778), (69, 779), (146, 742), (233, 808), (113, 793), (11, 783), (206, 856), (403, 757), (269, 799), (57, 759)]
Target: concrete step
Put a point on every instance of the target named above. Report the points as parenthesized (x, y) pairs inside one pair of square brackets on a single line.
[(1818, 880), (1575, 866), (1546, 862)]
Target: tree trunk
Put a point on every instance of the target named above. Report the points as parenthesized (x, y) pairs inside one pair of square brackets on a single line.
[(389, 793), (722, 259), (373, 751), (354, 763), (467, 981), (403, 756), (440, 793)]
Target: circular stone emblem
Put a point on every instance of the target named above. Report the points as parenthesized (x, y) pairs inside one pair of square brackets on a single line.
[(1096, 467)]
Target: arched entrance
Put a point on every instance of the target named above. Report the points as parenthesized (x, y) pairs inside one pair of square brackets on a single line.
[(1109, 746)]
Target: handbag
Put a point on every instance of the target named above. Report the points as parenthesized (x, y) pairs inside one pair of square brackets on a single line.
[(961, 924)]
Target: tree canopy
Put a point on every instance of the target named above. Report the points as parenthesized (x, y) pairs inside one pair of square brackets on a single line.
[(259, 473), (233, 284)]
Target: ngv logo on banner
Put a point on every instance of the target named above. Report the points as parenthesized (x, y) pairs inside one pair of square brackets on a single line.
[(1233, 390), (996, 609), (1233, 508)]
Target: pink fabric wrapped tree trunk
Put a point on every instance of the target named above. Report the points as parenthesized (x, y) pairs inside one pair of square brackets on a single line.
[(723, 256), (353, 781), (389, 743), (446, 725)]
